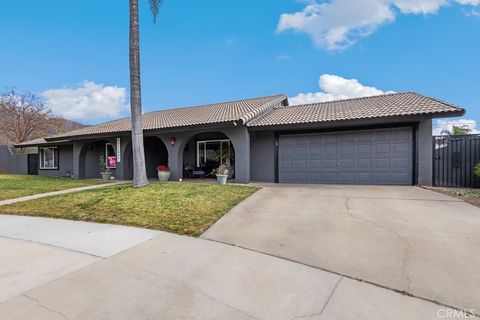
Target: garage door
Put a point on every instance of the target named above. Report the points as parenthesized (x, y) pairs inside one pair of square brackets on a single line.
[(383, 156)]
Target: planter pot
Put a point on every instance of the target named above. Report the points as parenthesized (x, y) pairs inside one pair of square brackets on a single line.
[(222, 178), (106, 176), (163, 175)]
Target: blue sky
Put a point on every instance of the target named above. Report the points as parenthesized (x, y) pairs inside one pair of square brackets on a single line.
[(207, 51)]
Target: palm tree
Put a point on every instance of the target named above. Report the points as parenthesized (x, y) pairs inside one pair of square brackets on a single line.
[(139, 169), (457, 131)]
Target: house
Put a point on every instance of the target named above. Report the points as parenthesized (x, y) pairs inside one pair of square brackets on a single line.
[(384, 139)]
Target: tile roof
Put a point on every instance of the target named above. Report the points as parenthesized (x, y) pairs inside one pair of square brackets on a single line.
[(274, 110), (387, 105), (242, 110)]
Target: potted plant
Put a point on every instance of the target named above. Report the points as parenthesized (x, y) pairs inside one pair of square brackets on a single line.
[(163, 172), (222, 174), (105, 171)]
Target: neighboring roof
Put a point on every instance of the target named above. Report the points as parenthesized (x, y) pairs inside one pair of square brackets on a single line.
[(34, 142), (242, 111), (387, 105)]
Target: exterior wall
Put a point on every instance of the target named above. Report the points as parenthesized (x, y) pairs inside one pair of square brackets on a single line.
[(12, 163), (424, 159), (65, 163), (254, 152), (86, 155), (262, 156)]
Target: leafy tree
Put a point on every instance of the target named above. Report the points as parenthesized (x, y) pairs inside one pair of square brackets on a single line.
[(457, 131), (139, 169)]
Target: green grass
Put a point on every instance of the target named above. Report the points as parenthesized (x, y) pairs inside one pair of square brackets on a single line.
[(15, 185), (182, 208)]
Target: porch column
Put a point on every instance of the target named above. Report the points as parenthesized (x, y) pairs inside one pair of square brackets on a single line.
[(175, 153), (121, 165), (240, 138), (77, 150)]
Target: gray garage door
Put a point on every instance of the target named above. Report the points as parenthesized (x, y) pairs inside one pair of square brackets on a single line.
[(381, 156)]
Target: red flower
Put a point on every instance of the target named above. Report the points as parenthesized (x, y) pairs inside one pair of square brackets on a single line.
[(163, 167)]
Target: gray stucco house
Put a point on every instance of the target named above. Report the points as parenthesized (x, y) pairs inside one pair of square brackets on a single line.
[(384, 139)]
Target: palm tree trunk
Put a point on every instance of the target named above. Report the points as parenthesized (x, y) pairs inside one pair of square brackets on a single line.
[(139, 170)]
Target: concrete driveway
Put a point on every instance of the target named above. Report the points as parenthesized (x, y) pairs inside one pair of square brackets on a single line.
[(404, 238), (55, 269)]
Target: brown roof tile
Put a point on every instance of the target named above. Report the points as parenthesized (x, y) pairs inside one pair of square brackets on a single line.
[(388, 105), (242, 110)]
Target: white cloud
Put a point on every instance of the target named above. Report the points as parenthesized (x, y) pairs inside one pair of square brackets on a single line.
[(337, 24), (89, 101), (282, 57), (441, 125), (335, 88)]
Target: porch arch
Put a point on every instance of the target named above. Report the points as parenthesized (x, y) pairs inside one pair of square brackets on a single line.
[(156, 153)]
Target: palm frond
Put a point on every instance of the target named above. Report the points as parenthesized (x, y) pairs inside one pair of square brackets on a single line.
[(155, 7)]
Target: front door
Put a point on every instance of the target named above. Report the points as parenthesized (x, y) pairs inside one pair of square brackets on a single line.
[(33, 164)]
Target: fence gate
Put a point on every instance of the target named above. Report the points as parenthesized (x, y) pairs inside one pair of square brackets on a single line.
[(454, 158)]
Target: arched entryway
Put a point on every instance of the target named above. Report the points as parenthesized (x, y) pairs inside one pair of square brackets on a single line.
[(156, 154), (96, 156), (205, 152)]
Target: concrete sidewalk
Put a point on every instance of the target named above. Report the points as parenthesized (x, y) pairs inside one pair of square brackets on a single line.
[(34, 250), (176, 277), (55, 193)]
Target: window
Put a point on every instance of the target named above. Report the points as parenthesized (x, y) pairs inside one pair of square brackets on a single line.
[(214, 152), (110, 157), (48, 158)]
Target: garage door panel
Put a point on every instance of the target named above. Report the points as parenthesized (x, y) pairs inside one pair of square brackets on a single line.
[(382, 136), (346, 164), (347, 138), (300, 153), (363, 164), (382, 149), (347, 151), (285, 165), (364, 178), (315, 177), (346, 178), (300, 140), (330, 152), (315, 152), (363, 137), (300, 164), (330, 164), (381, 164), (401, 135), (381, 178), (400, 148), (329, 177), (382, 156), (363, 150), (401, 163), (400, 178)]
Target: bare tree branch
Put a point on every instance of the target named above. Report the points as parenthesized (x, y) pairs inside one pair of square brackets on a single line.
[(22, 116)]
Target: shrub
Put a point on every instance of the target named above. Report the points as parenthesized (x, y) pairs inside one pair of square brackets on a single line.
[(477, 170)]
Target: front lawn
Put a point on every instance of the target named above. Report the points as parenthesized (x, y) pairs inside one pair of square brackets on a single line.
[(183, 208), (16, 185)]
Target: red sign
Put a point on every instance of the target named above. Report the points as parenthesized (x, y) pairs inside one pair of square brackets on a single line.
[(112, 161)]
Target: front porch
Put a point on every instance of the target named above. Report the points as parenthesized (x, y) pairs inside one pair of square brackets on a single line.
[(189, 154)]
